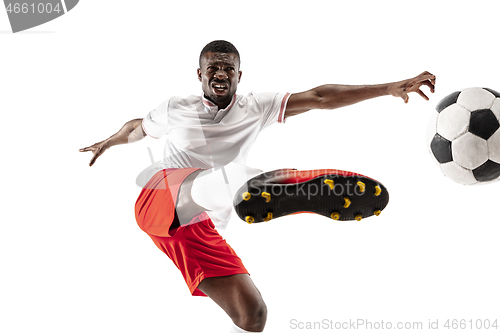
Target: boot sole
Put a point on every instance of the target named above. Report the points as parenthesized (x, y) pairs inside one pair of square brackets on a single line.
[(331, 195)]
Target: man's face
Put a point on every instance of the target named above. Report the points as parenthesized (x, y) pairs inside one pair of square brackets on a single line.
[(219, 76)]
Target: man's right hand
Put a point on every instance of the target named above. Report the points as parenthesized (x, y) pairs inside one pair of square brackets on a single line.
[(130, 132), (97, 149)]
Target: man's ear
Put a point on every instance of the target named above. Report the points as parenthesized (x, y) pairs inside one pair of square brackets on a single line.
[(239, 76), (198, 71)]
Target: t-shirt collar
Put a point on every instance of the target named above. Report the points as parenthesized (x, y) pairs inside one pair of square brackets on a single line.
[(212, 108)]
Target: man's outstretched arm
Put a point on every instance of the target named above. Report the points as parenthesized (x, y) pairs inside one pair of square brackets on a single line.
[(130, 132), (333, 96)]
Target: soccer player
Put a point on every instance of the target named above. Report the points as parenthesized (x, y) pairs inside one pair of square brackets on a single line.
[(208, 139)]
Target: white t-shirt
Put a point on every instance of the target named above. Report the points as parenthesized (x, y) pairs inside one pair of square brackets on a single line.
[(201, 136)]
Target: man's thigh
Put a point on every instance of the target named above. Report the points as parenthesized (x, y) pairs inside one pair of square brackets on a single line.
[(235, 294)]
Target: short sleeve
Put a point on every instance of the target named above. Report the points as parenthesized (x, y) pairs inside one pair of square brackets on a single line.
[(156, 122), (272, 106)]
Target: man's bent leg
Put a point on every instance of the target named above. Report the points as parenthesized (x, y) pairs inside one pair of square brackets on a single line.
[(186, 208), (214, 189), (238, 296)]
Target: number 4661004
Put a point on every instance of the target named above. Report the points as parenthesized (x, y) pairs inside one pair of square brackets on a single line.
[(26, 8)]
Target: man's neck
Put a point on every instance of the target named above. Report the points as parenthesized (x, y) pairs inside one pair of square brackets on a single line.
[(222, 105)]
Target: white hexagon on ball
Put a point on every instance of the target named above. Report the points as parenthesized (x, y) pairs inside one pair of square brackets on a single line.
[(495, 108), (469, 151), (453, 122), (494, 147), (458, 174), (476, 99)]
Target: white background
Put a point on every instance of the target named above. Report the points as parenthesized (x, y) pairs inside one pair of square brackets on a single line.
[(71, 255)]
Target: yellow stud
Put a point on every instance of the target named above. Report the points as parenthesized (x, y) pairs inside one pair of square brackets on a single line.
[(347, 202), (267, 196), (361, 186), (249, 219), (246, 196), (268, 217), (335, 216), (330, 183), (378, 190), (358, 217), (377, 212)]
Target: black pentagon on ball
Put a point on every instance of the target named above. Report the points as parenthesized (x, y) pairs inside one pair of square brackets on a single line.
[(483, 123), (497, 95), (441, 148), (488, 171), (447, 101)]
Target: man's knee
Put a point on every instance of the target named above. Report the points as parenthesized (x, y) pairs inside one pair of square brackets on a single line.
[(259, 314), (253, 317)]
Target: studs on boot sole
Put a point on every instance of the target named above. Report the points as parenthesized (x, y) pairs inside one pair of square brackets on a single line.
[(246, 196), (268, 217), (347, 202), (330, 183), (267, 196), (362, 186), (249, 219), (378, 190), (335, 216)]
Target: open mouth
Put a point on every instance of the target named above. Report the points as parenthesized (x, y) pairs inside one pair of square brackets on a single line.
[(220, 87)]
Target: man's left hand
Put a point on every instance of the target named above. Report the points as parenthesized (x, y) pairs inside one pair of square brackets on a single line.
[(402, 88)]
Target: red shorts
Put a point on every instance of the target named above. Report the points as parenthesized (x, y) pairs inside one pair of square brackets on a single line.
[(197, 249)]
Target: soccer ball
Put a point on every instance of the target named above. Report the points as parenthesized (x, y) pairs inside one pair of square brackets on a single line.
[(464, 136)]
